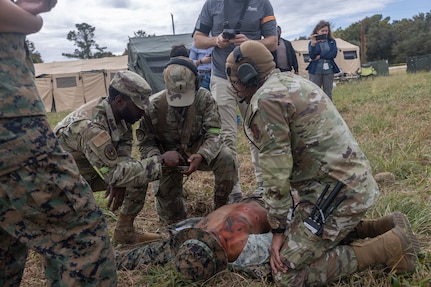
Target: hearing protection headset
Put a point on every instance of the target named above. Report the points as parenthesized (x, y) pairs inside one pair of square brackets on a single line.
[(247, 73), (182, 62)]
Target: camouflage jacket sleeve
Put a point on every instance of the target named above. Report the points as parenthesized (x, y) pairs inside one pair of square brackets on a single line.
[(271, 133), (211, 125), (101, 153)]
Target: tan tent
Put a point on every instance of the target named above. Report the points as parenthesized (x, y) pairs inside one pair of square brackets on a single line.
[(64, 86), (347, 57)]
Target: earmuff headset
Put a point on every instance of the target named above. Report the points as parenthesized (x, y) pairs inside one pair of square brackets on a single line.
[(247, 73), (182, 62)]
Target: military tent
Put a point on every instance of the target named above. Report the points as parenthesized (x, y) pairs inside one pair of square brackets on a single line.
[(64, 86), (149, 55), (347, 57)]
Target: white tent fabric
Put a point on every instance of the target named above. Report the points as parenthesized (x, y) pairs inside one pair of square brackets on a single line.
[(64, 86), (347, 57)]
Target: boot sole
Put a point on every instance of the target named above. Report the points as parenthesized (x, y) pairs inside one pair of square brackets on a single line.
[(402, 225), (401, 220)]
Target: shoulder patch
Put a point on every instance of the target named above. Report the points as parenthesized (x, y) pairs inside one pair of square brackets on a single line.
[(140, 135), (111, 152), (101, 139), (257, 134)]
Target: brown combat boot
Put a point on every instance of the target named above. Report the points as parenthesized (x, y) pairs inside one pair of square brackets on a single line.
[(373, 228), (125, 233), (397, 249)]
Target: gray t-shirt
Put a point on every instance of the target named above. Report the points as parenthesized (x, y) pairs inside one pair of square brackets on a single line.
[(258, 21)]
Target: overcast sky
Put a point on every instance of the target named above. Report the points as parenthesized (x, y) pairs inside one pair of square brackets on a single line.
[(116, 20)]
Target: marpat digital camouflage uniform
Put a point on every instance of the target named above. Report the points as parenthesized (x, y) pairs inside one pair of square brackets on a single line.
[(253, 260), (102, 149), (304, 145), (203, 138), (45, 204)]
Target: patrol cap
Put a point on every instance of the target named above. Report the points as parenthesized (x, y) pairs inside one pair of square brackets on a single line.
[(198, 254), (180, 78), (133, 85), (251, 52)]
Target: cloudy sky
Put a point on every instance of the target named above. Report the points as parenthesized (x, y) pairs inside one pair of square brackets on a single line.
[(116, 20)]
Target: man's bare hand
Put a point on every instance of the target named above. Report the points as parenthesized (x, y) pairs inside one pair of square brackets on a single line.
[(172, 159), (194, 161), (116, 195), (275, 261)]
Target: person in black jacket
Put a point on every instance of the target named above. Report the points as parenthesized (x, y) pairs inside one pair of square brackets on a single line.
[(285, 56)]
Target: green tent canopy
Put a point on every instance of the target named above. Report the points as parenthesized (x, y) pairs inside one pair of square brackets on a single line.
[(149, 55)]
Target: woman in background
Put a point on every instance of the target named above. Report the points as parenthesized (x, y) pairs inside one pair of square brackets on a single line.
[(322, 49)]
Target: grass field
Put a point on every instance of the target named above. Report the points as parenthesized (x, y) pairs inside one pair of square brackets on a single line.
[(390, 118)]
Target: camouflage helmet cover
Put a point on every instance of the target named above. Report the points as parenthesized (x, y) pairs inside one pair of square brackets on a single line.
[(198, 254)]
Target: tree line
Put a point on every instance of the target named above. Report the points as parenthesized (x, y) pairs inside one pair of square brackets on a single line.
[(390, 41), (381, 39)]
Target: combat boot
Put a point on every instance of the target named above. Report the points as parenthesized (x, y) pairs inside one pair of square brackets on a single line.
[(373, 228), (125, 233), (397, 249)]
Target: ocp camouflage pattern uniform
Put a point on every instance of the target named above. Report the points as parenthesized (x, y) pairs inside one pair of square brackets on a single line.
[(45, 204), (102, 149), (305, 144), (203, 138)]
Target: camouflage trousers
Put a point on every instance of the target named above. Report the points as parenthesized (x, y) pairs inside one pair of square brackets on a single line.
[(170, 203), (46, 206), (312, 260)]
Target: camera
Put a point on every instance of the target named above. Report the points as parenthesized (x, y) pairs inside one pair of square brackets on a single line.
[(229, 33), (321, 37)]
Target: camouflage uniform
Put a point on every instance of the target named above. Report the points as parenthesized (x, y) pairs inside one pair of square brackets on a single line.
[(102, 149), (203, 138), (253, 260), (305, 144), (45, 205)]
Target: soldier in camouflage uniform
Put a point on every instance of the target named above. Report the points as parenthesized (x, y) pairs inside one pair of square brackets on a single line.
[(185, 119), (305, 145), (45, 205), (235, 236), (99, 136)]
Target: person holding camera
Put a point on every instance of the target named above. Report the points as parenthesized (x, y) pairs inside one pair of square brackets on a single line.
[(202, 60), (322, 49), (231, 23)]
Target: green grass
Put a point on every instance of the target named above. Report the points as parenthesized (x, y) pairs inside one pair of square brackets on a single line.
[(391, 119)]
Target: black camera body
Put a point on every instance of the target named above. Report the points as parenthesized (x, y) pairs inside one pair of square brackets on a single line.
[(229, 33), (321, 37)]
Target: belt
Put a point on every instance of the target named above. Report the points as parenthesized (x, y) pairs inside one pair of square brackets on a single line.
[(204, 71)]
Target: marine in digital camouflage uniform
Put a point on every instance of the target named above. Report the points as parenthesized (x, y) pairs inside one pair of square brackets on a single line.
[(45, 205), (234, 236), (185, 119), (99, 136), (304, 144)]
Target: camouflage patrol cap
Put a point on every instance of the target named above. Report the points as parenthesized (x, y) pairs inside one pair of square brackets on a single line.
[(133, 85), (180, 78), (251, 52), (198, 254)]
